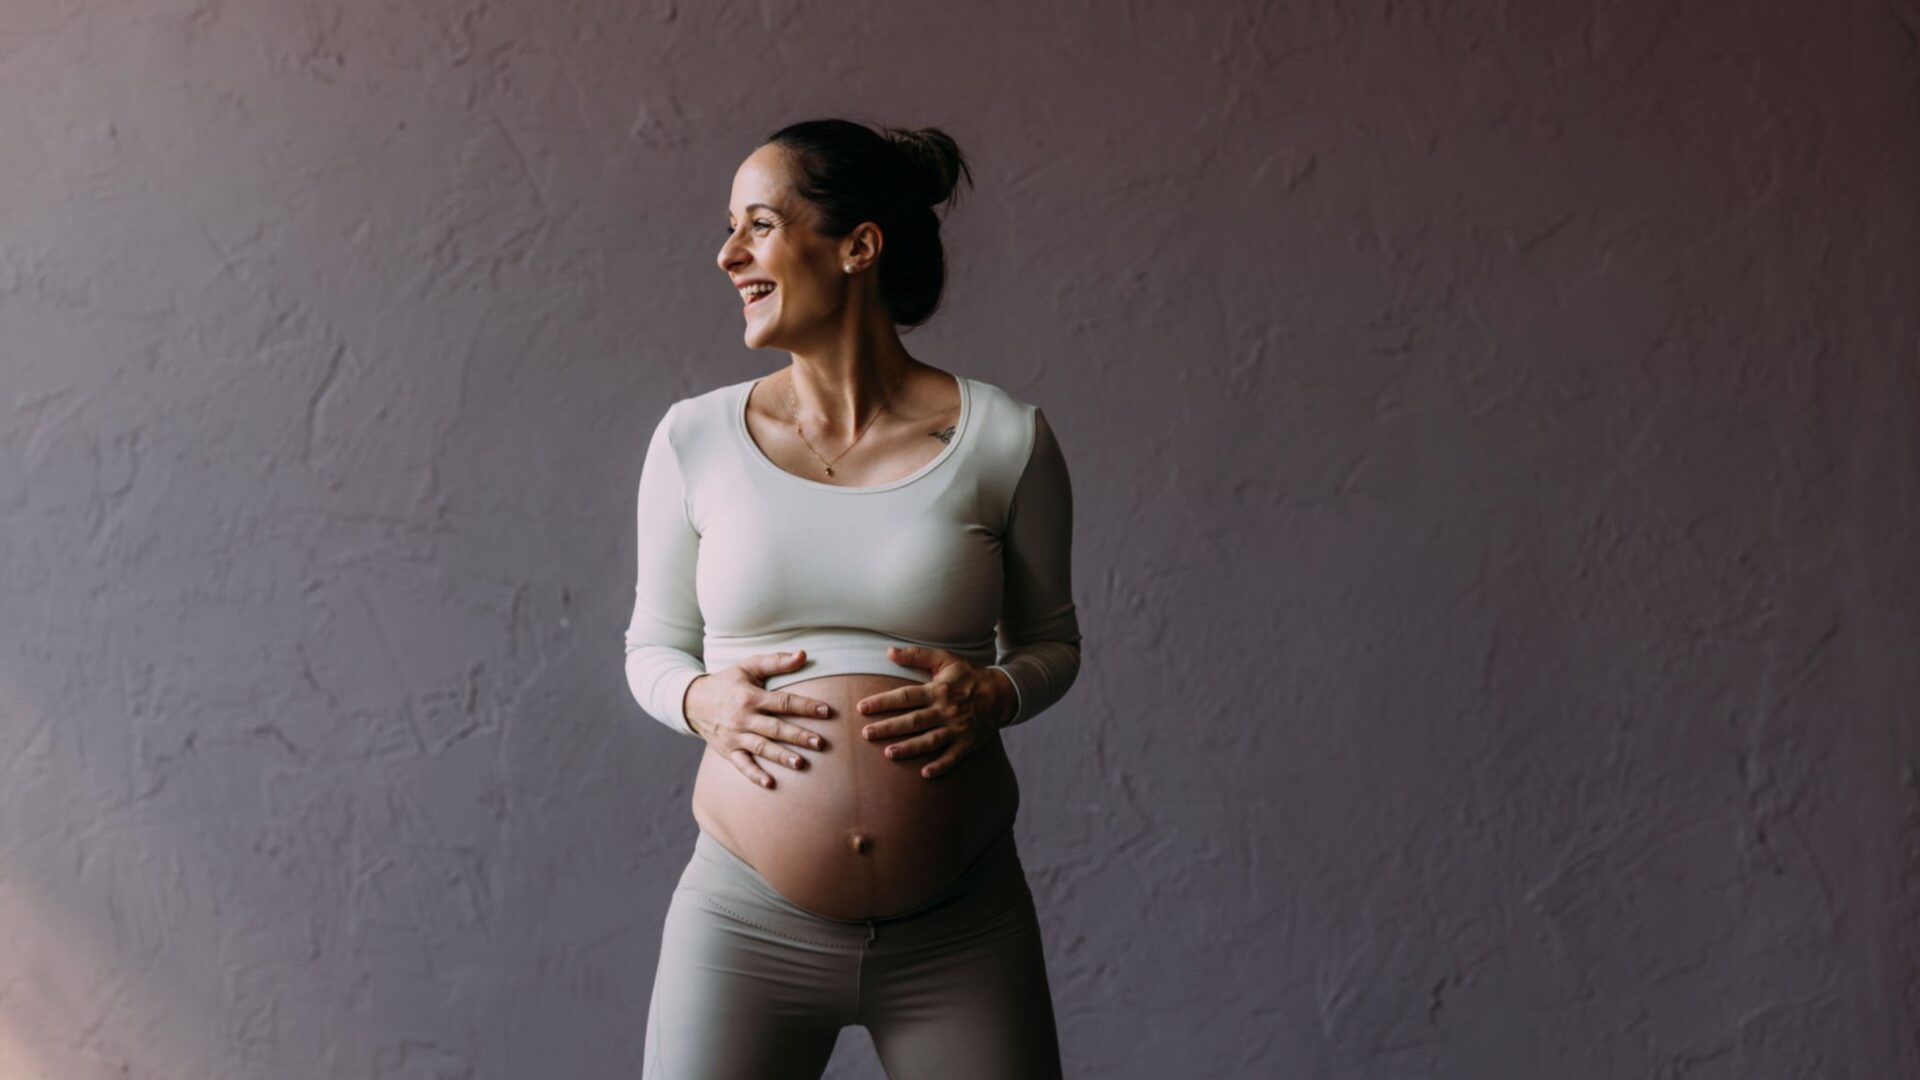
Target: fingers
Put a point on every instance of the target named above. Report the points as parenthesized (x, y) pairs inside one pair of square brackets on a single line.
[(903, 697), (881, 702), (753, 747), (905, 724), (793, 704), (787, 732), (752, 735), (943, 763), (744, 762), (914, 656), (769, 738), (924, 744), (761, 665), (772, 751)]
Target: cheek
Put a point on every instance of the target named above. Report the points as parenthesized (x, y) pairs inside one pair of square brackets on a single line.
[(800, 296)]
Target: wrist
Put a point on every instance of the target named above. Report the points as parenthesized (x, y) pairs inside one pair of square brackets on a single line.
[(686, 706), (1008, 701)]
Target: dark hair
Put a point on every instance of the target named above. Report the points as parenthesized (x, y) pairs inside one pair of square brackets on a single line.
[(893, 177)]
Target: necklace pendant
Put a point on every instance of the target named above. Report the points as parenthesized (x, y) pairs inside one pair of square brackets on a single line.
[(829, 470)]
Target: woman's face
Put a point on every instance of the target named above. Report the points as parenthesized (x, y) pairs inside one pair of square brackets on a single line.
[(770, 239)]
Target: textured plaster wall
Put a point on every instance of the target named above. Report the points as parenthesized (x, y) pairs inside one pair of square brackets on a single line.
[(1494, 441)]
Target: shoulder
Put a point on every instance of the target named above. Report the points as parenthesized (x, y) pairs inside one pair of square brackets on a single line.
[(693, 422), (1000, 419), (707, 407), (1009, 436), (1012, 425), (993, 396)]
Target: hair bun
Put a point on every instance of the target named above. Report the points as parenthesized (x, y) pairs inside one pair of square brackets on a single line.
[(932, 161)]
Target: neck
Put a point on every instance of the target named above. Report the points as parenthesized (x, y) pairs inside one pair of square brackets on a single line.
[(841, 393)]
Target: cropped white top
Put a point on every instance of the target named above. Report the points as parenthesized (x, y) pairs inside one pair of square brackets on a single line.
[(970, 553)]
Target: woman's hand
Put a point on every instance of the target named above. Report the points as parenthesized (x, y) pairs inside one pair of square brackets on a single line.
[(959, 709), (739, 719)]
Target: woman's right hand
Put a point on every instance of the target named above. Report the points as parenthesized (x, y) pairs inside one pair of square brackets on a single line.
[(738, 718)]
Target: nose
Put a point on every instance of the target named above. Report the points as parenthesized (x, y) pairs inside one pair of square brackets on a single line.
[(729, 257)]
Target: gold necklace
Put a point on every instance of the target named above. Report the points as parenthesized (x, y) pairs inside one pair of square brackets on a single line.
[(793, 414)]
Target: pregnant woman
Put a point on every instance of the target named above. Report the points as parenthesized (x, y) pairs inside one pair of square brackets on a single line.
[(853, 575)]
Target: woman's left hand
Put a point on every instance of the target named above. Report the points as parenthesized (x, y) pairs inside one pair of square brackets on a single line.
[(958, 709)]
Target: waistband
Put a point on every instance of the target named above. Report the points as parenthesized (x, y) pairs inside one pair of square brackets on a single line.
[(992, 882), (833, 651)]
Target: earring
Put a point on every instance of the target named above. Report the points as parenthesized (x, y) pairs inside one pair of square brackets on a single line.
[(849, 268)]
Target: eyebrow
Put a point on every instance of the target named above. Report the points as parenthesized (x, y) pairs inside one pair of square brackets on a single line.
[(751, 207)]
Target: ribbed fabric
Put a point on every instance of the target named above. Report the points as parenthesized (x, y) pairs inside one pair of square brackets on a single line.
[(971, 553)]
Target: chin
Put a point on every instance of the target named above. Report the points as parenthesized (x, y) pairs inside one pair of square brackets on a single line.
[(758, 336)]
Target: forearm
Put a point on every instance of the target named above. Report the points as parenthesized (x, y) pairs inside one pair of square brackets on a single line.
[(1040, 673), (660, 678), (665, 637)]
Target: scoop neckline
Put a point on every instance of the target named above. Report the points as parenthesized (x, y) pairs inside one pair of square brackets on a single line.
[(961, 427)]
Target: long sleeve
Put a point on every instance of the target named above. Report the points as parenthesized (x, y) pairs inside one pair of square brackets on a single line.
[(664, 637), (1039, 632)]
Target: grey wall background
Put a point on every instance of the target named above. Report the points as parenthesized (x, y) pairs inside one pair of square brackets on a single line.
[(1493, 432)]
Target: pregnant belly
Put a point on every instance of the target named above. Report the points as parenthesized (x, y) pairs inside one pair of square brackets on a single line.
[(851, 834)]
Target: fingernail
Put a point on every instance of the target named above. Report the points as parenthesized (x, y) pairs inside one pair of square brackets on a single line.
[(814, 742), (766, 783), (819, 710)]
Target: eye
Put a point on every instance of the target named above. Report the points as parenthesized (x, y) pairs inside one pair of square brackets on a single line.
[(758, 223)]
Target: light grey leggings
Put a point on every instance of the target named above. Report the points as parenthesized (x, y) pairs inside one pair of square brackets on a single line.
[(754, 987)]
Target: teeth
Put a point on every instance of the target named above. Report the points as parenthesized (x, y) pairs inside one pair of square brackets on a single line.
[(756, 290)]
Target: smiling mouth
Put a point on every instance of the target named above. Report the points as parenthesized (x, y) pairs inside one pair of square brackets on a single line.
[(752, 300)]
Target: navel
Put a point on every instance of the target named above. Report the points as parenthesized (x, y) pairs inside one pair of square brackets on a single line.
[(859, 842)]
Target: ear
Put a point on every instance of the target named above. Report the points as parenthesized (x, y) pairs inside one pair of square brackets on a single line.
[(863, 244)]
